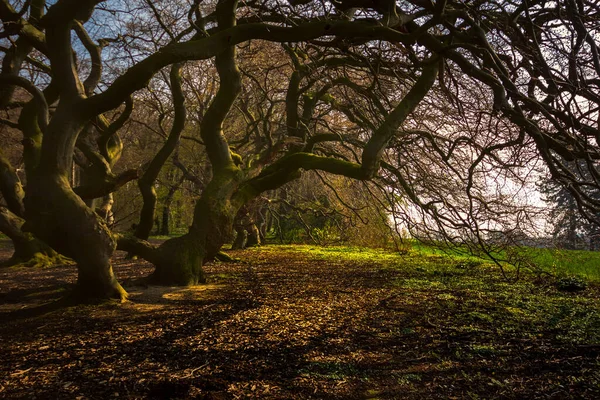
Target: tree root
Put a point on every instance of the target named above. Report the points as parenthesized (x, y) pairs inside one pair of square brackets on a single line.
[(38, 260), (224, 257)]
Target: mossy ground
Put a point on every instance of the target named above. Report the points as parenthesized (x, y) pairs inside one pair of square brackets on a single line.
[(307, 322)]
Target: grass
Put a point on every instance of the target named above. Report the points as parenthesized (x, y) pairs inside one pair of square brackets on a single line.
[(561, 262), (503, 306), (557, 262), (485, 319), (421, 259)]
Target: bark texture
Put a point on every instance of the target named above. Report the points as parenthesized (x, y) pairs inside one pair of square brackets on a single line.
[(72, 228), (29, 251)]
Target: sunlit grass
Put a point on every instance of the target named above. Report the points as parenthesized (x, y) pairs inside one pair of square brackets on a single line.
[(558, 263), (561, 262), (475, 292)]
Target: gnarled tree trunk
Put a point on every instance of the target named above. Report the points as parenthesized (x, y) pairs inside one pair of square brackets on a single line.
[(29, 251), (180, 259), (57, 215), (11, 187), (54, 212)]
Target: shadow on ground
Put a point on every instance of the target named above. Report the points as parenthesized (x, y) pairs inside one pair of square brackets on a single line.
[(282, 325)]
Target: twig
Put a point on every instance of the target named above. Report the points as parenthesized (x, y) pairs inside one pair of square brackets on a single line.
[(191, 373), (21, 372)]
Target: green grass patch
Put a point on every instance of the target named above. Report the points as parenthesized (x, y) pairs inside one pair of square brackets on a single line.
[(456, 262), (561, 262), (425, 259), (471, 295)]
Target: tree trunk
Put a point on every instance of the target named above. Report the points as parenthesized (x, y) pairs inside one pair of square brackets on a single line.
[(59, 217), (166, 216), (262, 224), (29, 251), (11, 187), (144, 227), (253, 236), (166, 213), (180, 259), (240, 238)]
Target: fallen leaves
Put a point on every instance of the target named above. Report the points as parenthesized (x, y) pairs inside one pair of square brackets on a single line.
[(283, 324)]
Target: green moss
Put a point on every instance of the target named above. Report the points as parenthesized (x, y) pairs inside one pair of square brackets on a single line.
[(39, 260), (237, 159), (328, 98), (478, 316)]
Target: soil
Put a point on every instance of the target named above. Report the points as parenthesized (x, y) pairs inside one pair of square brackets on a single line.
[(275, 325)]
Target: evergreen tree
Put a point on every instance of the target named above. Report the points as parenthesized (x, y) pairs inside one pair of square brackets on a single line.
[(571, 229)]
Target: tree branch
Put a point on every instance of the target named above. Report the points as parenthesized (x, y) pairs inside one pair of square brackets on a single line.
[(377, 143), (38, 96), (138, 76)]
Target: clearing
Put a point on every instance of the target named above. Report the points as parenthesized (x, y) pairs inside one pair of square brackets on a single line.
[(304, 322)]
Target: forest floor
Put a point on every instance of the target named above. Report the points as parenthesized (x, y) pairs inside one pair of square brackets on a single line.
[(303, 322)]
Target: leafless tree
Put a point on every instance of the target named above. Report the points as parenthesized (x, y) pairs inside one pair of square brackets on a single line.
[(436, 100)]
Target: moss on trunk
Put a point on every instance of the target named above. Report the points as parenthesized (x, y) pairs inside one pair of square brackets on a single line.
[(96, 281), (29, 251), (58, 216), (34, 253), (180, 262)]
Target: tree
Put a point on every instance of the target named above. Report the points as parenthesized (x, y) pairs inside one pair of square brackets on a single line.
[(570, 229), (29, 250), (146, 182), (372, 92)]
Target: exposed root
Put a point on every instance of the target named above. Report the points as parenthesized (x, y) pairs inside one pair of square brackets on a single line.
[(38, 260), (224, 257)]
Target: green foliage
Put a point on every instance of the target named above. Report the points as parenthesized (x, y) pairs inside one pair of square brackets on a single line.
[(325, 209), (563, 263), (571, 284)]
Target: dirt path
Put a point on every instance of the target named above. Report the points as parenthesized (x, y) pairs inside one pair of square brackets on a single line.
[(277, 325)]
